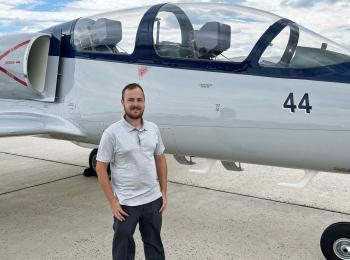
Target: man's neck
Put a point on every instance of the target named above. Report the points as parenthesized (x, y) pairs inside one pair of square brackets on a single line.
[(137, 123)]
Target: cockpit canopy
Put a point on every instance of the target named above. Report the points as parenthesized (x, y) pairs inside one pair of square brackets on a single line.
[(206, 31), (112, 32), (104, 34)]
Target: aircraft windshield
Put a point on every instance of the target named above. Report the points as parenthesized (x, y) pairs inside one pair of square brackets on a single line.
[(310, 50), (112, 32), (229, 32), (209, 31)]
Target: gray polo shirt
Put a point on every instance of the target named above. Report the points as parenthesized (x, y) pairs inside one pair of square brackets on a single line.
[(130, 152)]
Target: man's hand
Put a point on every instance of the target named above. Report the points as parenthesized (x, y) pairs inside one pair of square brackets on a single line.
[(163, 207), (162, 172), (117, 211)]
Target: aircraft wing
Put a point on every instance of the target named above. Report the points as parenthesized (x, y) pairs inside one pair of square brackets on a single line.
[(27, 123)]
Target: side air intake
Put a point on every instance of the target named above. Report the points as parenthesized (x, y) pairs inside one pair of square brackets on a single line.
[(26, 70)]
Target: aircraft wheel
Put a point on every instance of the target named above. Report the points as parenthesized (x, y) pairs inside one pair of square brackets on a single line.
[(335, 241), (92, 163), (91, 171), (92, 159)]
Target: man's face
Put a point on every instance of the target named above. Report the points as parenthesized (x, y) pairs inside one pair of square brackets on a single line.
[(134, 103)]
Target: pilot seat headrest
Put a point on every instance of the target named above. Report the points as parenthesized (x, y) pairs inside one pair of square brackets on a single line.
[(106, 32), (82, 38), (212, 39)]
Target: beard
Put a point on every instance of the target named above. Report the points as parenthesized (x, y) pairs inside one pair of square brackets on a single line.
[(131, 112)]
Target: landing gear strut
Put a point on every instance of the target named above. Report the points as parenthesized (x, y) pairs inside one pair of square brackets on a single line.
[(335, 241)]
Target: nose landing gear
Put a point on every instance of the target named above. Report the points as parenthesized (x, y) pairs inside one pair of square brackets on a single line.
[(335, 241), (91, 171)]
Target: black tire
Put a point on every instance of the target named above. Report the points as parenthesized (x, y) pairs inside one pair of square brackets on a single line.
[(92, 163), (333, 238), (89, 172), (92, 159)]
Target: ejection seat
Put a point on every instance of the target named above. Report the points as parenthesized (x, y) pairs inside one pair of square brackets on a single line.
[(82, 37), (105, 35), (174, 50), (212, 39)]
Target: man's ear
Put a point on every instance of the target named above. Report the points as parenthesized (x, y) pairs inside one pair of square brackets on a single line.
[(122, 101)]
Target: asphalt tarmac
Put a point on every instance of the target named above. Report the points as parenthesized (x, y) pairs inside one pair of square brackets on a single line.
[(49, 210)]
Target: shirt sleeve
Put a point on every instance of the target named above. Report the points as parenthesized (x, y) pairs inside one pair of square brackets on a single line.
[(105, 148), (160, 146)]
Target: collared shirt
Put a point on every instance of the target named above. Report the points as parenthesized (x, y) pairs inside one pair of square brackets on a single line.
[(130, 152)]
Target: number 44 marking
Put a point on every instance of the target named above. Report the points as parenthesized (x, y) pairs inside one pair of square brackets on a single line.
[(303, 104)]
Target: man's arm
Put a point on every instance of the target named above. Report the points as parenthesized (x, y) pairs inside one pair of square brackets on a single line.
[(102, 173), (162, 172)]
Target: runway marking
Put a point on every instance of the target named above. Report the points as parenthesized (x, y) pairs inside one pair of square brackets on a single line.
[(43, 159), (170, 181), (260, 198), (48, 182), (40, 184)]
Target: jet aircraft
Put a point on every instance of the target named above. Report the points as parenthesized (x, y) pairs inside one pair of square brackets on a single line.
[(226, 82)]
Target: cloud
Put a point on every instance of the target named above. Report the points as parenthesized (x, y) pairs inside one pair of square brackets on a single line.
[(308, 3), (35, 14), (329, 20), (327, 17), (107, 4)]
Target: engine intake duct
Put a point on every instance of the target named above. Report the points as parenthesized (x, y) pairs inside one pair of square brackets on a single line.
[(23, 65)]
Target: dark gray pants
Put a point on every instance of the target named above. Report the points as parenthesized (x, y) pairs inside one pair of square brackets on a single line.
[(150, 223)]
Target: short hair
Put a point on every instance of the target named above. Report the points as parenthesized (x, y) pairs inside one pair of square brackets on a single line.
[(132, 86)]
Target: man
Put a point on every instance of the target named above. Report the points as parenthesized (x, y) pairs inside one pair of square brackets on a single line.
[(135, 151)]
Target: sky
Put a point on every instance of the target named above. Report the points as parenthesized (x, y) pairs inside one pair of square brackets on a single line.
[(329, 18)]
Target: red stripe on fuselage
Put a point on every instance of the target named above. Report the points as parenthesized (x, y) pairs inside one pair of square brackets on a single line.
[(13, 77), (13, 49), (7, 53)]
